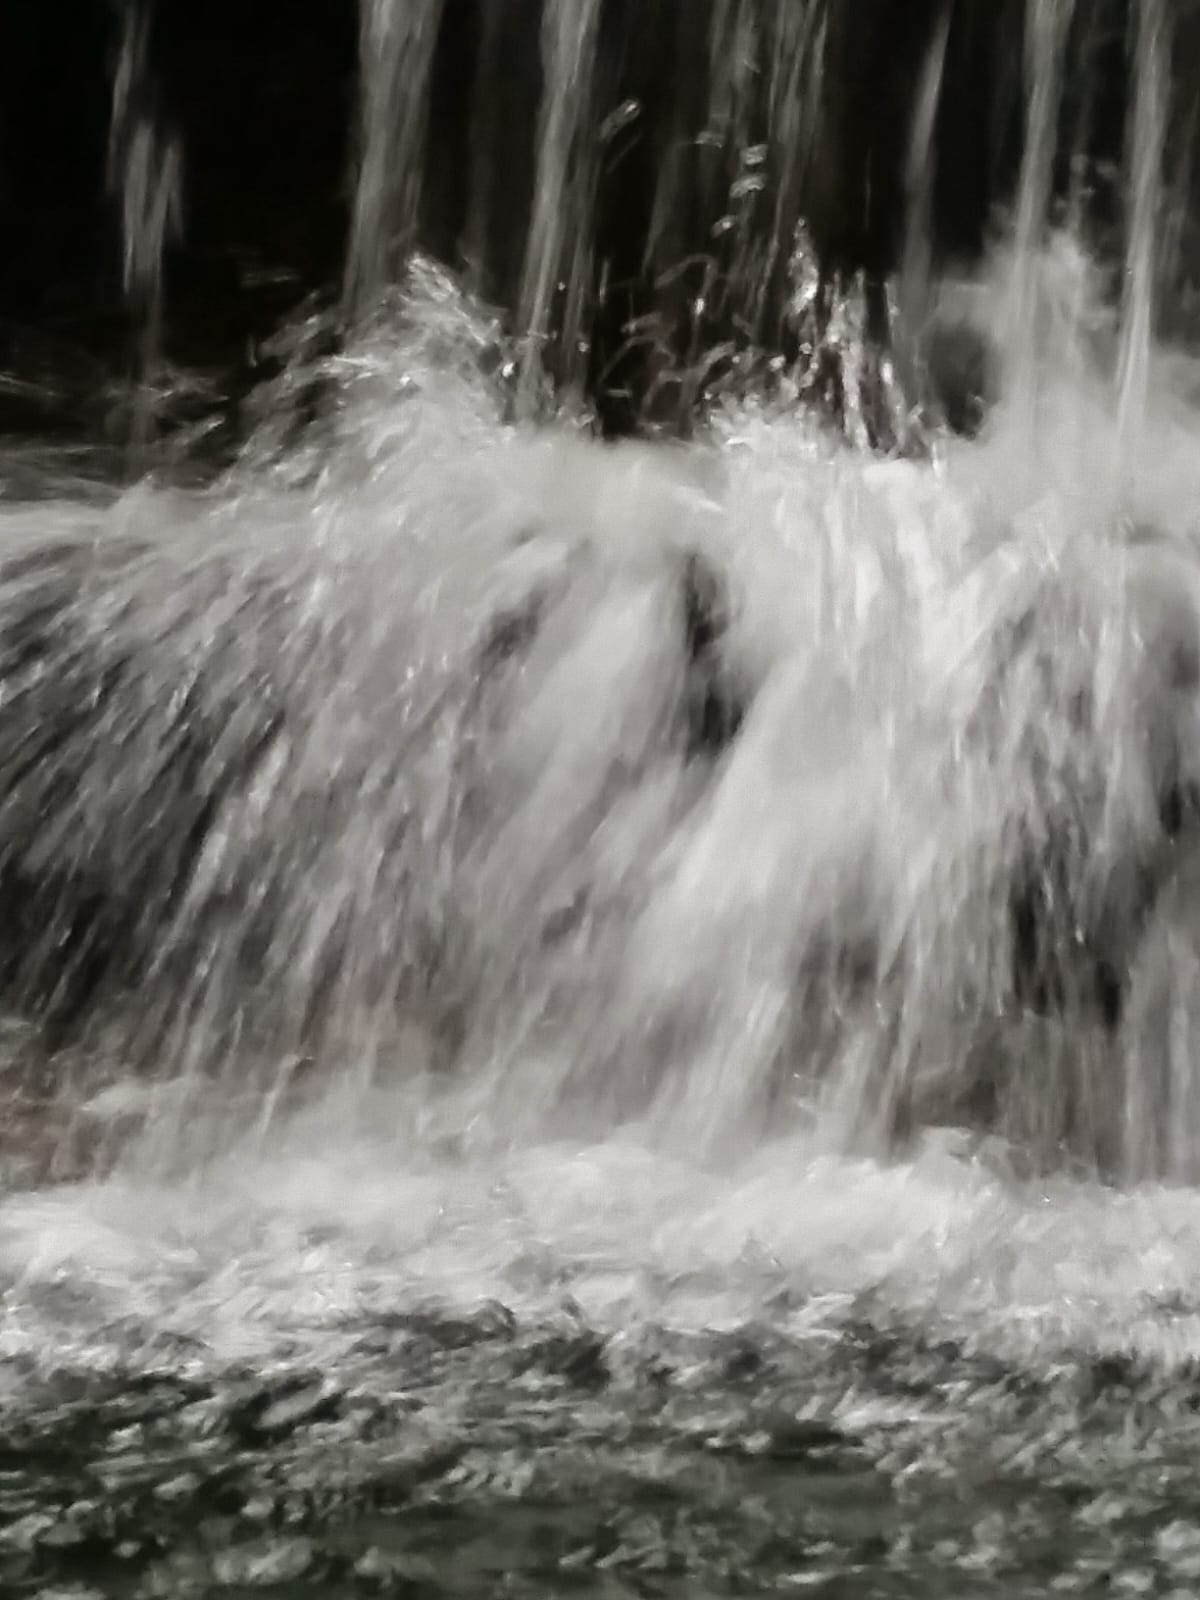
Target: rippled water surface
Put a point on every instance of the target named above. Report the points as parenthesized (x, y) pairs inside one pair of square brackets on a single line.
[(590, 1369)]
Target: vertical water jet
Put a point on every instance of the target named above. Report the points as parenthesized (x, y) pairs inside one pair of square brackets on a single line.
[(916, 270), (502, 138), (1142, 242), (559, 254), (145, 172), (1047, 25), (397, 40)]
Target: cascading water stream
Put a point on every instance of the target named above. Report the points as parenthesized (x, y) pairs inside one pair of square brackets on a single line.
[(916, 272), (145, 171), (616, 1017), (1142, 254), (397, 39), (479, 878), (558, 258), (1047, 29)]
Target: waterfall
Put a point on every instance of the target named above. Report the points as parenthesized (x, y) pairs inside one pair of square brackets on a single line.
[(145, 171), (1047, 29), (558, 252), (397, 39), (607, 1015), (916, 285), (1144, 224), (333, 787)]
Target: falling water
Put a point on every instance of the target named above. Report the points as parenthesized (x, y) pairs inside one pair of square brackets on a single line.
[(614, 1018), (397, 39), (1047, 29), (794, 52), (145, 171), (558, 258), (742, 151), (1142, 252), (916, 274)]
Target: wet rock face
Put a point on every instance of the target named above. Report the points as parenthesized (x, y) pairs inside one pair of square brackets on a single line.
[(1103, 915), (715, 701), (960, 375), (1047, 996), (163, 798), (199, 768), (90, 879)]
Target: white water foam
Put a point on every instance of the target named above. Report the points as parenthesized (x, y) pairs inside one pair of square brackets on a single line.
[(680, 1114)]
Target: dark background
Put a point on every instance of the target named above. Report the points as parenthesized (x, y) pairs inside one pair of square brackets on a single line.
[(262, 94)]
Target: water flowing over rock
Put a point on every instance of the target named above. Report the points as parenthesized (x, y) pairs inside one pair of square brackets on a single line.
[(728, 786), (596, 1012)]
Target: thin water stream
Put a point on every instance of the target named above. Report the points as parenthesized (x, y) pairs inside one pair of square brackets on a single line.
[(145, 172)]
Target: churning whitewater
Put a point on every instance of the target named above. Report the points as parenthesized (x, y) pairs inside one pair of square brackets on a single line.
[(721, 792), (698, 798), (503, 905), (611, 1018)]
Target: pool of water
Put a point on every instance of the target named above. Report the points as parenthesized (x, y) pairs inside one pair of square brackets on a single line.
[(591, 1370)]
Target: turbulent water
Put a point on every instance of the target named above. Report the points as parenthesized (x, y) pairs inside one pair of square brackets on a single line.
[(613, 1020), (539, 1094)]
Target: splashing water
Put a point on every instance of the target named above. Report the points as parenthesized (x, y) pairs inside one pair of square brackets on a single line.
[(1046, 41), (552, 875), (397, 39), (628, 1008)]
